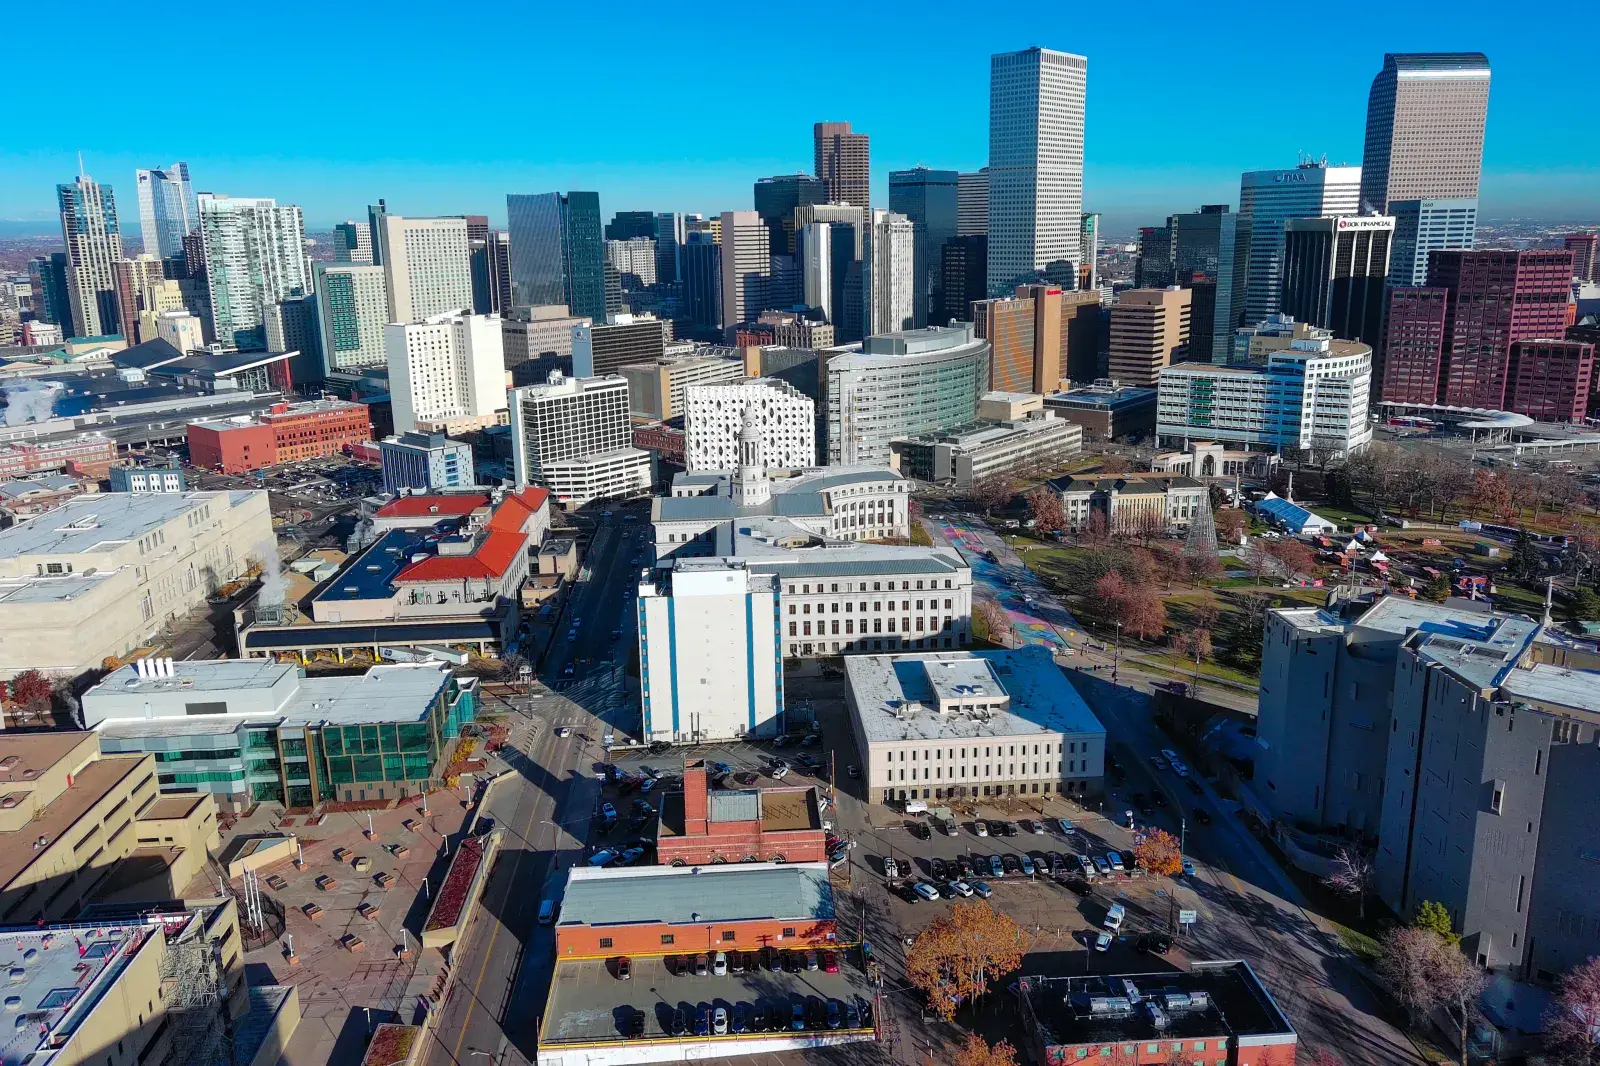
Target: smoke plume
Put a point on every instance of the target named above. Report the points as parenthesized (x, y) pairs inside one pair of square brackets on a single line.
[(29, 401)]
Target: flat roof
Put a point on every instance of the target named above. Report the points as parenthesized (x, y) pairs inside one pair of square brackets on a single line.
[(89, 786), (1102, 399), (1559, 685), (364, 634), (894, 697), (171, 807), (786, 810), (35, 753), (100, 522), (56, 983), (53, 588), (678, 895), (200, 675)]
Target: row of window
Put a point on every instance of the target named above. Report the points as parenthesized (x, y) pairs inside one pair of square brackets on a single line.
[(895, 644), (877, 586), (877, 605), (1067, 766), (923, 625)]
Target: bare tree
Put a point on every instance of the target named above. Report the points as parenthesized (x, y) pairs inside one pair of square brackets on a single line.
[(1427, 972), (1352, 875), (990, 492), (1572, 1025), (997, 624)]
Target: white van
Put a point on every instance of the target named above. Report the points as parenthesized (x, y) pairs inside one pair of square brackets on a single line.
[(916, 806), (547, 912), (1114, 917)]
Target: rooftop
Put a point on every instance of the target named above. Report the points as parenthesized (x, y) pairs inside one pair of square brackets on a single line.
[(1558, 685), (89, 786), (59, 974), (1102, 397), (501, 540), (677, 895), (102, 522), (444, 505), (1123, 483), (895, 696)]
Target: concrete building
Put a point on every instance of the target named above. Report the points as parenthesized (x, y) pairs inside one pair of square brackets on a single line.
[(1495, 298), (1414, 344), (602, 349), (657, 390), (426, 267), (182, 330), (635, 260), (842, 158), (1207, 259), (352, 310), (286, 433), (814, 251), (291, 327), (972, 205), (898, 384), (1025, 335), (695, 618), (990, 448), (168, 211), (965, 725), (245, 731), (530, 333), (102, 574), (88, 824), (1149, 332), (1036, 110), (785, 419), (791, 330), (1253, 344), (429, 461), (254, 257), (930, 199), (1267, 198), (1425, 119), (1312, 396), (1128, 503), (1422, 227), (1335, 274), (90, 230), (963, 278), (130, 279), (1550, 380), (1107, 410), (572, 435), (1089, 252), (1585, 249), (701, 827), (148, 478), (352, 243), (746, 267), (446, 373)]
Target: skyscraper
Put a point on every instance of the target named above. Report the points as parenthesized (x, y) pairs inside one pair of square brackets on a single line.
[(776, 198), (843, 161), (669, 238), (352, 243), (701, 261), (1413, 344), (1152, 266), (1335, 272), (427, 266), (746, 266), (254, 256), (972, 204), (500, 269), (1206, 260), (1424, 226), (816, 267), (375, 216), (963, 278), (558, 253), (584, 252), (626, 225), (1149, 330), (352, 309), (51, 300), (1024, 334), (1425, 119), (1089, 251), (930, 199), (131, 276), (1036, 108), (168, 211), (888, 269), (1495, 299), (1585, 249), (1268, 197), (94, 243)]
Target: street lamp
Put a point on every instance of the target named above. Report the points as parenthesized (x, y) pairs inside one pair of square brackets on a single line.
[(1116, 654)]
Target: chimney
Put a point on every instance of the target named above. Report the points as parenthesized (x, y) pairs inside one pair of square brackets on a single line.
[(696, 801)]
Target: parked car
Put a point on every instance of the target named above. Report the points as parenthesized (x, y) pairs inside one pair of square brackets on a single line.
[(830, 962), (1115, 859), (1066, 826), (981, 890), (920, 830), (736, 962), (891, 869), (1155, 943), (1036, 827), (797, 1015), (779, 772), (996, 867), (1202, 816), (719, 1021), (1102, 942), (603, 857), (811, 960), (980, 828), (702, 966), (680, 1022), (1158, 762), (624, 968), (1188, 867), (835, 1014), (1011, 864), (635, 1025), (1101, 867), (927, 891), (964, 864), (1194, 786), (1028, 868), (961, 888), (741, 1018), (936, 868), (946, 891), (608, 812), (719, 964)]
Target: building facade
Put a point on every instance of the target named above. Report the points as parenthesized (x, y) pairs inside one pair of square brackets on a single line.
[(1128, 503), (604, 348), (429, 461), (963, 278), (715, 414), (1025, 334), (1206, 259), (972, 205), (1422, 227), (1149, 332), (255, 257), (573, 436), (446, 372), (1425, 119), (1335, 274), (168, 210), (90, 230), (1267, 198), (657, 391), (1414, 344), (1006, 448), (888, 274), (288, 433), (1495, 298), (352, 243), (1550, 380), (843, 159), (352, 310), (427, 270), (930, 199), (746, 267)]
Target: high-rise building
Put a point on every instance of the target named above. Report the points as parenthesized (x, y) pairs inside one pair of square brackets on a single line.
[(352, 310), (52, 301), (1585, 249), (604, 347), (1496, 298), (427, 267), (1335, 272), (168, 211), (635, 260), (1024, 335), (539, 335), (558, 251), (428, 461), (1425, 226), (1089, 251), (500, 270), (815, 246), (446, 373), (89, 228), (376, 213), (700, 259), (847, 239), (972, 204), (352, 243), (1206, 260), (132, 277), (791, 330), (746, 266), (963, 278), (180, 329), (843, 161), (784, 417), (1425, 119), (574, 436), (290, 325), (888, 274), (1414, 344), (1266, 199), (930, 199), (626, 225), (1152, 266), (254, 256), (1550, 380), (1149, 331), (670, 235), (775, 200), (1083, 324), (1036, 109)]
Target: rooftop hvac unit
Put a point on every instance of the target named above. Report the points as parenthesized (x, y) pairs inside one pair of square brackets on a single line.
[(1157, 1017), (1109, 1005)]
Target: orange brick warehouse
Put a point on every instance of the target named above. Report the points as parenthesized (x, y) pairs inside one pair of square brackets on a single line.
[(288, 433)]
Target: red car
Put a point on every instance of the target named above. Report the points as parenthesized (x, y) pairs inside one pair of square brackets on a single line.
[(830, 962)]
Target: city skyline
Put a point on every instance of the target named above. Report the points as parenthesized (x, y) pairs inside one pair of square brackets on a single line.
[(668, 160)]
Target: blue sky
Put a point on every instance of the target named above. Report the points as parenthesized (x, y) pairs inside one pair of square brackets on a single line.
[(443, 110)]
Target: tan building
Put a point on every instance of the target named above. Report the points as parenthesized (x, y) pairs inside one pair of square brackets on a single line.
[(77, 826), (530, 332), (656, 389), (1129, 503), (1149, 330), (1024, 335), (102, 574), (796, 331), (842, 160), (1082, 322)]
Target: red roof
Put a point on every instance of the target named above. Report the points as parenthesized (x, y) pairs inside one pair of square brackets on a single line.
[(494, 554), (454, 505)]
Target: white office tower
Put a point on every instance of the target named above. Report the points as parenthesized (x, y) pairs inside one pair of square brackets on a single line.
[(746, 267), (635, 260), (784, 418), (709, 655), (255, 257), (1036, 105), (972, 204), (816, 267), (427, 266), (352, 311), (888, 275), (1267, 198), (446, 373), (168, 210), (181, 330), (574, 436)]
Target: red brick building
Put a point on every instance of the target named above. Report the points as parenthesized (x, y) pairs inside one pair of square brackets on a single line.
[(1550, 380), (703, 826), (1414, 345), (1213, 1014), (1496, 298), (288, 433)]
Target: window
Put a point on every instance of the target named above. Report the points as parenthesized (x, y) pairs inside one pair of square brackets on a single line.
[(788, 931), (1497, 797), (728, 935), (605, 941), (667, 938)]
